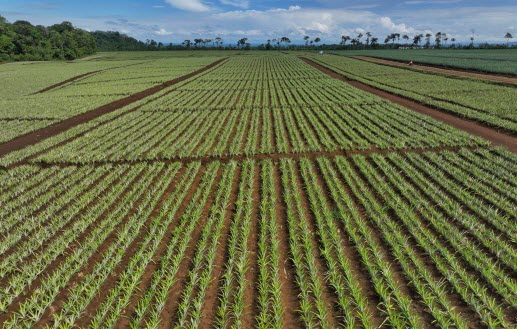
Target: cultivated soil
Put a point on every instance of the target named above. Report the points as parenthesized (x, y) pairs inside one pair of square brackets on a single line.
[(59, 127), (497, 138), (436, 69)]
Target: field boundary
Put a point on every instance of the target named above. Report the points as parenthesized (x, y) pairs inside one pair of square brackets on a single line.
[(62, 83), (496, 137), (36, 136), (80, 77), (205, 160), (444, 70)]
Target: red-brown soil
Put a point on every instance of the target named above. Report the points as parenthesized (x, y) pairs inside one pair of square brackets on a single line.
[(446, 71), (62, 83), (59, 127), (495, 137)]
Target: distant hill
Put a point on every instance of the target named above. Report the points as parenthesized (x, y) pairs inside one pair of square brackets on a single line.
[(113, 41)]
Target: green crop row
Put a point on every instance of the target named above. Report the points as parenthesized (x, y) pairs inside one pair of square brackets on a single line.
[(484, 102), (420, 230), (88, 93), (310, 114), (487, 60)]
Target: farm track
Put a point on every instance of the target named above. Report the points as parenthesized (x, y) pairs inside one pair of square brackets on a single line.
[(423, 67), (62, 83), (311, 155), (80, 77), (59, 127), (494, 136)]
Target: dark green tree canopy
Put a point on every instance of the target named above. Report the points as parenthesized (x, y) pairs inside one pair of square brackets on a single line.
[(23, 41)]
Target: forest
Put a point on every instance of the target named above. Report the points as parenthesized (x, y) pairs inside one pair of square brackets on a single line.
[(22, 41)]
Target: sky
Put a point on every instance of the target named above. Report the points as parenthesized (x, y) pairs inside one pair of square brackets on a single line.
[(260, 20)]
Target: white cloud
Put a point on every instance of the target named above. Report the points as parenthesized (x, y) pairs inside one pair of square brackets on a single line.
[(162, 32), (490, 22), (236, 3), (388, 24), (296, 22), (189, 5)]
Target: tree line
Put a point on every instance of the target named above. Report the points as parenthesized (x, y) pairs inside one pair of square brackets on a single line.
[(360, 41), (26, 42), (438, 40), (23, 41)]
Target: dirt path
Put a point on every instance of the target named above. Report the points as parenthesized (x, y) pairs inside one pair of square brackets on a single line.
[(62, 83), (205, 160), (59, 127), (82, 76), (434, 69), (495, 137)]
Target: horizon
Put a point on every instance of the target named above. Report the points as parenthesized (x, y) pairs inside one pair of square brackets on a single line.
[(173, 21)]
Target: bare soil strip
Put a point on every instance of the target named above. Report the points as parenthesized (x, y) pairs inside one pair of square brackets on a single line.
[(289, 290), (311, 155), (435, 69), (62, 83), (495, 137), (209, 309), (79, 77), (59, 127), (420, 252)]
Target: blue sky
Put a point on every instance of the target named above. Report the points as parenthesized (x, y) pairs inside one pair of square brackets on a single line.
[(177, 20)]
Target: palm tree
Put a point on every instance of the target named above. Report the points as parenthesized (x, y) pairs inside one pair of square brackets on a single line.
[(453, 40), (285, 40), (428, 40), (197, 42), (242, 42), (368, 37), (344, 39), (417, 39), (405, 37), (306, 38), (218, 41), (438, 39), (397, 35), (316, 41), (374, 41), (393, 36), (187, 43), (508, 36)]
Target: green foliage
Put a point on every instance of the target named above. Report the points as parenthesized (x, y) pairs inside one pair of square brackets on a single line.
[(115, 41), (485, 60), (22, 41), (491, 103)]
